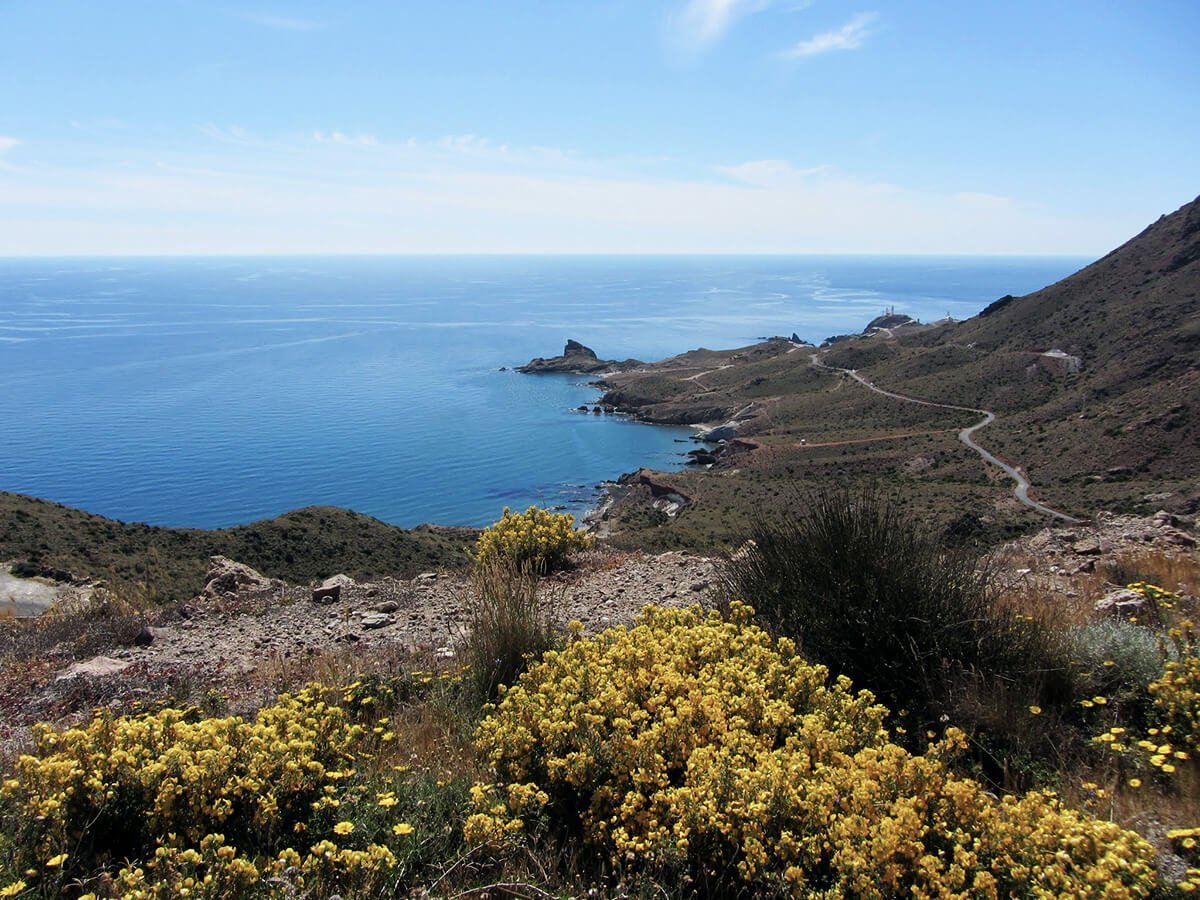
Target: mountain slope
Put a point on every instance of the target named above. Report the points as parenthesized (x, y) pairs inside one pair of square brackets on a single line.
[(1131, 316)]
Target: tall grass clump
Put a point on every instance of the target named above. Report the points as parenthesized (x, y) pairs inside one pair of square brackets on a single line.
[(509, 623), (867, 591), (509, 616)]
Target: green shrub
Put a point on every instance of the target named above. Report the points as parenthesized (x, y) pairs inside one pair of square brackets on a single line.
[(872, 594), (1117, 659)]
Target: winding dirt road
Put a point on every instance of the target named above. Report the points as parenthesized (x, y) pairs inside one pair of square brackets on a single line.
[(966, 435)]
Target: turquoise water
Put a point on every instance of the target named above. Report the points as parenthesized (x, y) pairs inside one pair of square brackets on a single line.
[(215, 391)]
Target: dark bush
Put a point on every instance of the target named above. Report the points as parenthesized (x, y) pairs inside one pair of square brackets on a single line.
[(873, 594)]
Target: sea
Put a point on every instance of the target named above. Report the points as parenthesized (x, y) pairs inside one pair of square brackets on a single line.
[(211, 392)]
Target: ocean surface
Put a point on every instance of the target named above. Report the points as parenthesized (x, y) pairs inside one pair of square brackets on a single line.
[(211, 392)]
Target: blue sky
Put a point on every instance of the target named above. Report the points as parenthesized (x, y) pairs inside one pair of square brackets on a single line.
[(186, 126)]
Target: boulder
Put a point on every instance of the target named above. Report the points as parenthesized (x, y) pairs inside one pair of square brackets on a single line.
[(226, 576), (330, 590), (96, 667), (1121, 603), (726, 432)]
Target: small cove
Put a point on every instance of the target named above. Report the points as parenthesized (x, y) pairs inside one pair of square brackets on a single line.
[(209, 392)]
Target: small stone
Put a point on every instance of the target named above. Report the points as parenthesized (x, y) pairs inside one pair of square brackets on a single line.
[(376, 620), (387, 606), (1178, 538)]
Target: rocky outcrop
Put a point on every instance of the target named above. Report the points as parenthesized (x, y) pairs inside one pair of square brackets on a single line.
[(428, 614), (726, 432), (576, 359), (226, 576), (888, 321)]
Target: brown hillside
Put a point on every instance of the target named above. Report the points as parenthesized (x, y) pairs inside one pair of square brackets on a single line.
[(1132, 316)]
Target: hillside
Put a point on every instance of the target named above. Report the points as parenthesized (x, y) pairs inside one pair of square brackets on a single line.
[(1095, 381), (170, 563)]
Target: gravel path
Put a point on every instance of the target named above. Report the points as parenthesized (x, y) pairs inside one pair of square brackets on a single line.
[(966, 435)]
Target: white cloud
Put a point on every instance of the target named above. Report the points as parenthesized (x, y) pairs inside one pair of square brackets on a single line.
[(703, 22), (282, 23), (7, 143), (849, 37), (346, 140), (256, 194), (770, 172)]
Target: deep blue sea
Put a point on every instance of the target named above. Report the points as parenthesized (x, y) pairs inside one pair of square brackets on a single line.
[(215, 391)]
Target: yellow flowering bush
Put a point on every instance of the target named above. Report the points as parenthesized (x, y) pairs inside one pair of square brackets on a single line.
[(216, 806), (536, 540), (1177, 693), (1175, 697), (696, 744)]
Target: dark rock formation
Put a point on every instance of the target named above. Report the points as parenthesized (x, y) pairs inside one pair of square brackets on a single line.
[(576, 359)]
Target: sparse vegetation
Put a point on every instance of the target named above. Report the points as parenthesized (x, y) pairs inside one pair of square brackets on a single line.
[(694, 754)]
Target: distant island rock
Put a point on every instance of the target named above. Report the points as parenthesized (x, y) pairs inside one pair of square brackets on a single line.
[(577, 359)]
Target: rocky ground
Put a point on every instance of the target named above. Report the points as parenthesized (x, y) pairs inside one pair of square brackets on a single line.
[(246, 634), (235, 629), (1088, 566)]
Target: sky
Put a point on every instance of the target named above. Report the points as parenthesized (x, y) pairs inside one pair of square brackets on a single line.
[(594, 126)]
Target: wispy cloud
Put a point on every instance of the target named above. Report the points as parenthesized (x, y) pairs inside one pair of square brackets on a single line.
[(243, 192), (849, 37), (703, 22), (7, 143), (282, 23), (771, 172), (346, 140)]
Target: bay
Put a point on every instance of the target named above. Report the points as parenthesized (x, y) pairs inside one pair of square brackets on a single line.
[(209, 392)]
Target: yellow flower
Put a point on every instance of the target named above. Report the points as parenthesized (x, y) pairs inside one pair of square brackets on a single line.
[(1134, 783), (1035, 710), (343, 828), (55, 861), (13, 889), (1099, 701), (401, 829)]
